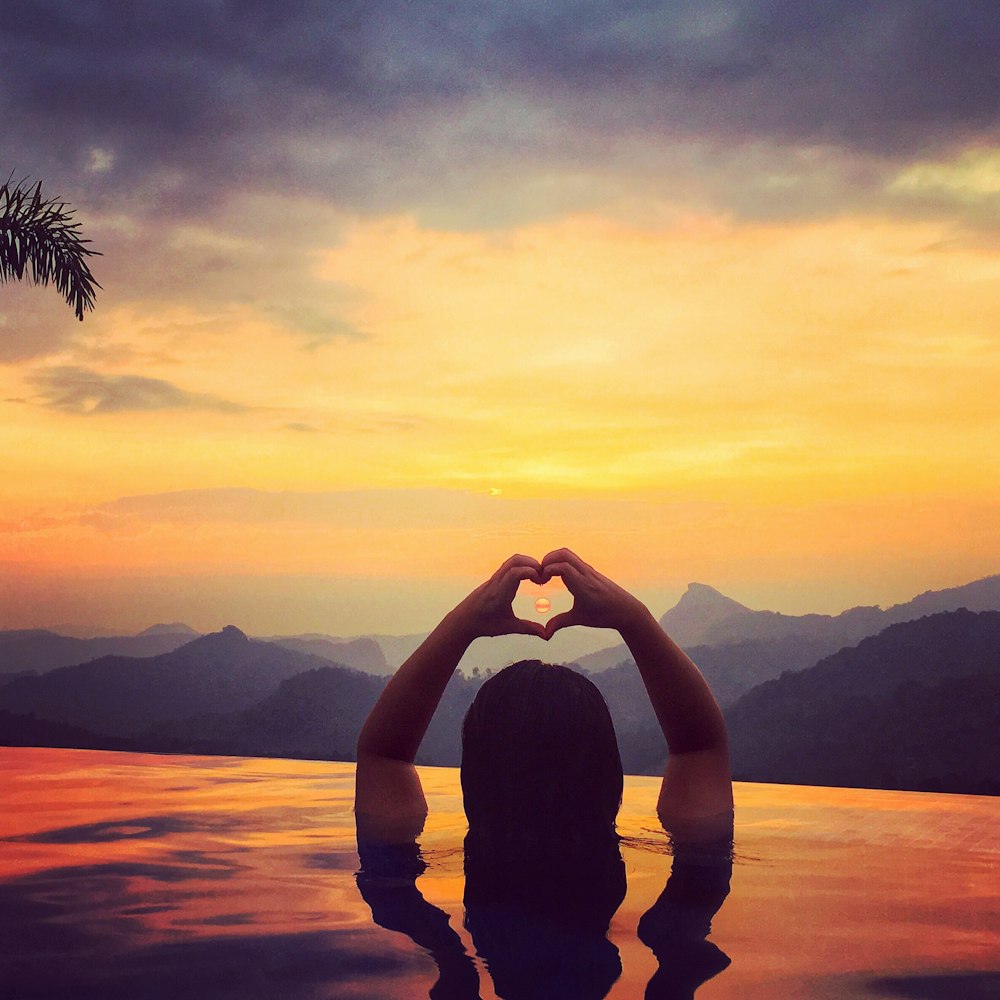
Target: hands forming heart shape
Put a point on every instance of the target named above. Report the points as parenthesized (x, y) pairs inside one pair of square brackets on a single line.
[(597, 601)]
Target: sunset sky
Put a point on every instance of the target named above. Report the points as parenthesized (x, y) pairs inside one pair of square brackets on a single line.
[(705, 290)]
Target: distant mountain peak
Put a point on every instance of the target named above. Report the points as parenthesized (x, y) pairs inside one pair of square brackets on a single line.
[(170, 628), (228, 636), (702, 594), (704, 601), (699, 608)]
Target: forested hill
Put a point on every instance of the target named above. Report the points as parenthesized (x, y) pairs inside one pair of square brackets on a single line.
[(705, 622), (917, 706), (39, 650), (122, 696)]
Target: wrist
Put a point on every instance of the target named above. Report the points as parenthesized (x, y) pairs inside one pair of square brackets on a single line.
[(636, 620), (457, 627)]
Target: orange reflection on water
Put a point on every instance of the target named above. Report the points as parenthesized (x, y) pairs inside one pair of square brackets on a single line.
[(840, 884), (832, 890)]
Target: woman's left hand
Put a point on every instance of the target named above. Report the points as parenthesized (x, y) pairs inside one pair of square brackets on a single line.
[(488, 610)]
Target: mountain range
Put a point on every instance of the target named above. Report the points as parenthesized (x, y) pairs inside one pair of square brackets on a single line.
[(704, 620), (315, 714), (40, 650), (913, 706), (362, 654), (705, 617), (122, 696), (26, 651), (916, 706), (737, 648)]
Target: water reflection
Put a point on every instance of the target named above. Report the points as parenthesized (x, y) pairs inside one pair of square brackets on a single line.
[(543, 934), (248, 889), (109, 830), (968, 986), (85, 933)]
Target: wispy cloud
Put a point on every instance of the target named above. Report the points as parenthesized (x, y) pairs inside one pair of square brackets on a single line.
[(360, 510), (83, 391), (342, 513)]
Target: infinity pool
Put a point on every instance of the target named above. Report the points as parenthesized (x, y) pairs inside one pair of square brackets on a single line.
[(143, 876)]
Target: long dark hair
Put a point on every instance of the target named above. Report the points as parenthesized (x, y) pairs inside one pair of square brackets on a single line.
[(540, 761), (542, 782)]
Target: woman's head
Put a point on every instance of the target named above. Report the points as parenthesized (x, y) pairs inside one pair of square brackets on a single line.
[(542, 781), (539, 758)]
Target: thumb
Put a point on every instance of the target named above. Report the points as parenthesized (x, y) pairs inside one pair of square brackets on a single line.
[(557, 622), (521, 626)]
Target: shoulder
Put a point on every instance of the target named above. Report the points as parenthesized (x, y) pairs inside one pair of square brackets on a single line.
[(389, 803)]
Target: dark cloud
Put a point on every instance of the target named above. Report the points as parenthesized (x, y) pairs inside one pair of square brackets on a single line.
[(475, 111), (189, 99), (82, 391), (892, 75)]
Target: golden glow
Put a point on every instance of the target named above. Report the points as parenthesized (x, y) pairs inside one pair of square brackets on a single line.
[(969, 177), (725, 402)]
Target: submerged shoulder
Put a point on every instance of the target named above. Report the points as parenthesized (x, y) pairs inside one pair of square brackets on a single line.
[(389, 803), (696, 797)]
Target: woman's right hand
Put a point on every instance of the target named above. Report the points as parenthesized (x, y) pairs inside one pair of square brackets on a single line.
[(488, 610), (597, 601)]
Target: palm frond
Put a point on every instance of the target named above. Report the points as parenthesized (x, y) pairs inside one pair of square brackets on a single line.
[(40, 240)]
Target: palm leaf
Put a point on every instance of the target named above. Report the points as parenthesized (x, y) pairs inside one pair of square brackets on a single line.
[(39, 240)]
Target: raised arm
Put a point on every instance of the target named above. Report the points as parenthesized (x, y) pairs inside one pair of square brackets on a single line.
[(389, 800), (697, 787), (397, 723)]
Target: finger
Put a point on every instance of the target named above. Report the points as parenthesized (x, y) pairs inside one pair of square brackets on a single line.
[(521, 627), (518, 560), (569, 574), (564, 620), (511, 579), (563, 556)]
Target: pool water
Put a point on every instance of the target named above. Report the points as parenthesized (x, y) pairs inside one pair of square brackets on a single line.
[(144, 876)]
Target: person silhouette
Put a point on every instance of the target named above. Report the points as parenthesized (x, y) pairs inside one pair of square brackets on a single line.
[(542, 784)]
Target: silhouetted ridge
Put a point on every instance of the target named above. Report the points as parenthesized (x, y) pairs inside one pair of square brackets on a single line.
[(699, 608), (220, 672), (229, 633), (173, 628), (914, 707), (737, 648), (980, 595), (701, 595), (316, 714), (29, 731), (362, 654), (43, 650)]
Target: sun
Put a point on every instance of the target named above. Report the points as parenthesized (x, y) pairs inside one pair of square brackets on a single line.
[(543, 605)]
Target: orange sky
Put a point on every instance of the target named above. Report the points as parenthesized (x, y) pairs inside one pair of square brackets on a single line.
[(798, 407)]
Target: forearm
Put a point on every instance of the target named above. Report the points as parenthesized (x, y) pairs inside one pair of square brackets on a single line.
[(397, 723), (681, 698)]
